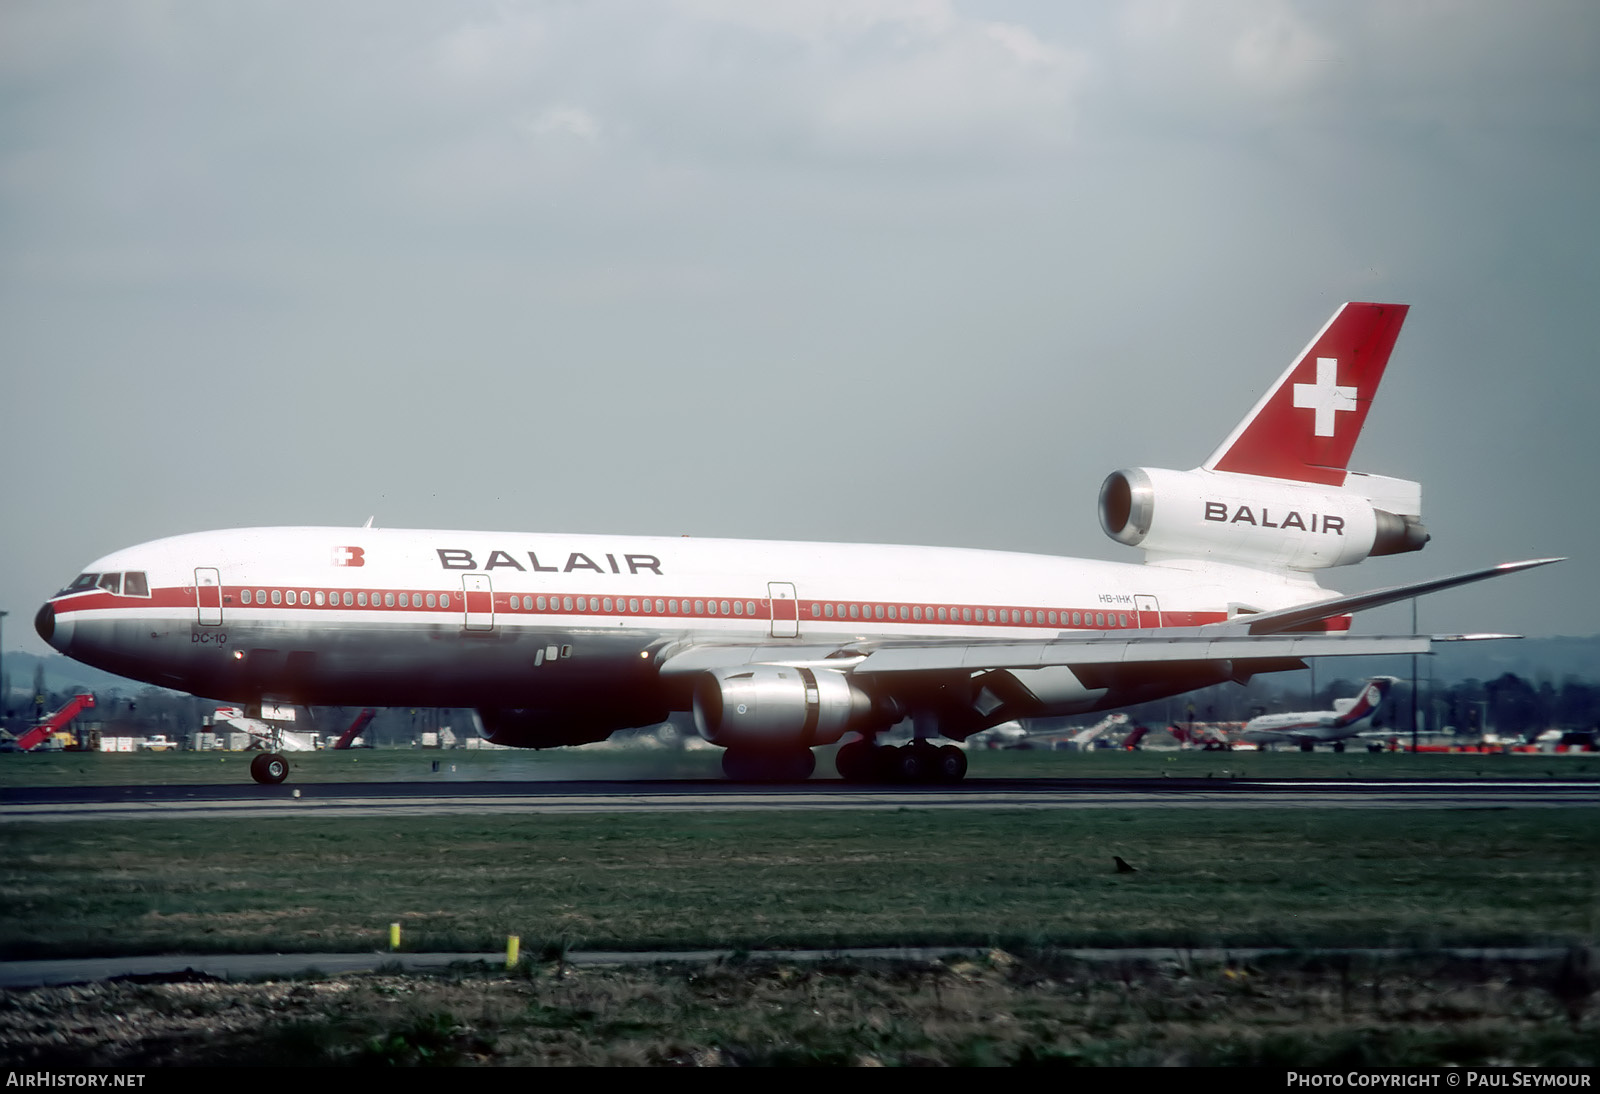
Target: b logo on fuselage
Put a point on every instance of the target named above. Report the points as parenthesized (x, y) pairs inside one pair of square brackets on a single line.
[(349, 556)]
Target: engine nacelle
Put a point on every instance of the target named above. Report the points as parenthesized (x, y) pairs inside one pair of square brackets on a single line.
[(778, 706), (1257, 521)]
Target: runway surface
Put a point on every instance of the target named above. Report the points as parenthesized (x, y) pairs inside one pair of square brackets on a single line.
[(105, 803)]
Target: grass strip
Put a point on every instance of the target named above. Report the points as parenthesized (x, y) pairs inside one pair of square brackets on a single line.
[(1035, 1008), (766, 879)]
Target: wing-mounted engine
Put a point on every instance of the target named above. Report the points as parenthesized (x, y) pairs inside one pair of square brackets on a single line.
[(780, 707), (1259, 521)]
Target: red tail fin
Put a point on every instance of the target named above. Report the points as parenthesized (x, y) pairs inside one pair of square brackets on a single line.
[(1305, 427)]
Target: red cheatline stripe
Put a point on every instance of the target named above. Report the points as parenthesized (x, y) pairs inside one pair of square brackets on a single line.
[(811, 611)]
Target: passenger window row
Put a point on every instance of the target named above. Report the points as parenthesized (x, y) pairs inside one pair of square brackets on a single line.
[(606, 605), (348, 598), (929, 613), (596, 605)]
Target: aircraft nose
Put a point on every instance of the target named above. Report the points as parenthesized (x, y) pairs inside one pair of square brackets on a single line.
[(58, 633)]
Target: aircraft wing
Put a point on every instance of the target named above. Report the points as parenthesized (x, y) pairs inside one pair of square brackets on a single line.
[(1130, 648), (1100, 648), (1266, 636)]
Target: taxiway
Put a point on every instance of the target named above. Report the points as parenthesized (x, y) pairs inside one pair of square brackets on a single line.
[(113, 803)]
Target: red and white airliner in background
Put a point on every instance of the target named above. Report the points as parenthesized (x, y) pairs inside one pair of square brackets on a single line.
[(777, 647), (1354, 717)]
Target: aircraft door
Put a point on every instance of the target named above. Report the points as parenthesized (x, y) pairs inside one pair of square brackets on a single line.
[(478, 596), (1148, 611), (785, 609), (208, 596)]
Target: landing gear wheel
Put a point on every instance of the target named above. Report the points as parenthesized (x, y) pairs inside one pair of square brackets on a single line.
[(906, 764), (269, 768), (1307, 746), (856, 762), (950, 764), (1338, 746)]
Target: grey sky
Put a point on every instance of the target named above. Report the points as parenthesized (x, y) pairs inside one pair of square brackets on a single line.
[(890, 270)]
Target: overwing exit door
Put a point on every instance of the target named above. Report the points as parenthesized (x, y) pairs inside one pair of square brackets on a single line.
[(1149, 612)]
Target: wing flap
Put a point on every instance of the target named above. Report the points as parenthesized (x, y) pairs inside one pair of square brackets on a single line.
[(1133, 650)]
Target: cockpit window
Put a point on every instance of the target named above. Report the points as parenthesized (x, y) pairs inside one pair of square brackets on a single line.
[(82, 582), (135, 584), (111, 583)]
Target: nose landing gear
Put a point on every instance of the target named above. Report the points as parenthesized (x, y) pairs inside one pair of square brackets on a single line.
[(269, 768)]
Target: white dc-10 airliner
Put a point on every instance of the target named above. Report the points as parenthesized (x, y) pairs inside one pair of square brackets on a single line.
[(780, 647)]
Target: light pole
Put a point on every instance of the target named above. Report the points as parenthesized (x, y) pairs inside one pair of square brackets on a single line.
[(1413, 679), (5, 685)]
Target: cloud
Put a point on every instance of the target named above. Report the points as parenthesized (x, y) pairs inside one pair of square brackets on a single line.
[(493, 53), (565, 121), (880, 82), (1237, 64)]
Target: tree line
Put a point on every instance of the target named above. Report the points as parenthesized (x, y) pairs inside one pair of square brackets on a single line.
[(1508, 705)]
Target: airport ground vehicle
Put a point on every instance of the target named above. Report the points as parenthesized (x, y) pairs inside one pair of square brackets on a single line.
[(54, 723)]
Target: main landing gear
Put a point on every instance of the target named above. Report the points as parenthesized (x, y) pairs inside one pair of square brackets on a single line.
[(857, 762), (269, 768), (917, 762)]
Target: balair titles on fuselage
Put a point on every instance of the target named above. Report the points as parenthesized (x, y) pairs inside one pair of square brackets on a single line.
[(456, 558)]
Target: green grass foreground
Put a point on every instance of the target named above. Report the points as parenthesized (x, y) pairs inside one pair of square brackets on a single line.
[(780, 879), (1031, 1009), (600, 762)]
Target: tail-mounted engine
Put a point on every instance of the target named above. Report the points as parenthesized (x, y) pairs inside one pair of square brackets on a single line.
[(1260, 521), (779, 707)]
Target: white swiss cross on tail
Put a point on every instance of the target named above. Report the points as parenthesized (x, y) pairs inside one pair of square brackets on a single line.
[(1325, 396), (349, 556)]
